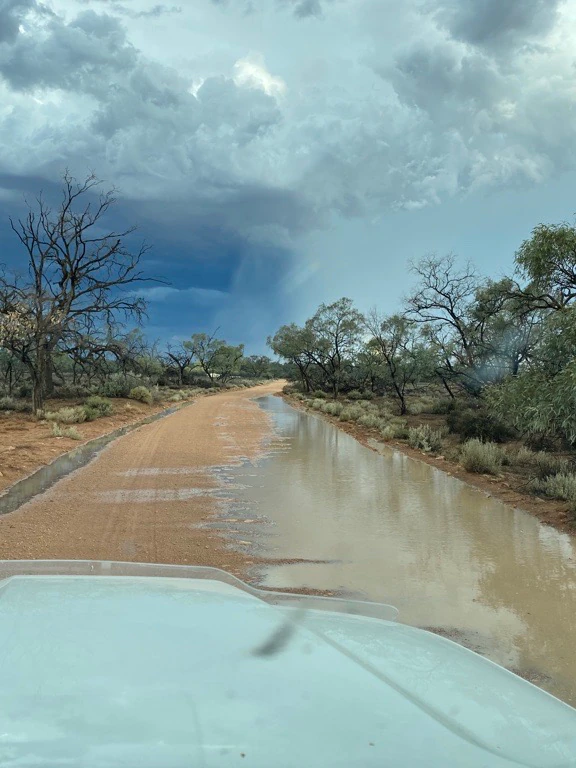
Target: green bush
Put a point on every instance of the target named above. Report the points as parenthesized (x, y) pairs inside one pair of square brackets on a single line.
[(11, 404), (75, 415), (370, 420), (115, 386), (70, 432), (333, 408), (400, 428), (540, 464), (394, 430), (100, 405), (356, 394), (478, 423), (351, 413), (424, 438), (320, 394), (483, 458), (421, 405), (539, 441), (317, 404), (561, 486), (441, 406), (142, 394)]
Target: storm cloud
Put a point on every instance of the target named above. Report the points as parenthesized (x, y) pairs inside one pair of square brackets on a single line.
[(264, 121)]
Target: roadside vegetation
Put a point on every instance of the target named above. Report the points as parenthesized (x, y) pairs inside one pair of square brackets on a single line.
[(70, 338), (481, 372)]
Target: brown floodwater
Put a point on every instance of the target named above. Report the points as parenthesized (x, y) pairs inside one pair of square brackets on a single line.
[(378, 525)]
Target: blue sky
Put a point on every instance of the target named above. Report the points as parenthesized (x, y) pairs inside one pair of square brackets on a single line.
[(280, 153)]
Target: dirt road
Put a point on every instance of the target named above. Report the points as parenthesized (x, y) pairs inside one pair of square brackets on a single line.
[(144, 498)]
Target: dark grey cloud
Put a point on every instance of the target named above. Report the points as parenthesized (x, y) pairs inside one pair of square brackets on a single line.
[(495, 23), (74, 56), (11, 14), (450, 116)]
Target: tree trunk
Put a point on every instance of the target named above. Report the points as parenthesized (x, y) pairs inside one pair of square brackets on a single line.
[(48, 375), (446, 387), (38, 376)]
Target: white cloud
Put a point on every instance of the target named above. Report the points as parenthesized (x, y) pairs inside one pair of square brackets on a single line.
[(200, 296), (251, 72)]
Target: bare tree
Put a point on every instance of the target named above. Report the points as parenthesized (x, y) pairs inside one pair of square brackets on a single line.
[(77, 281)]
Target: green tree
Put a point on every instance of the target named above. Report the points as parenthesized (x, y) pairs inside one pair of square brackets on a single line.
[(293, 344), (547, 260), (334, 336), (217, 359), (541, 399), (399, 344)]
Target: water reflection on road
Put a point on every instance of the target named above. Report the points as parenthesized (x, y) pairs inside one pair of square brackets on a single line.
[(382, 526)]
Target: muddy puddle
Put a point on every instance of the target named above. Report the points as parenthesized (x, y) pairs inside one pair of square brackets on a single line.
[(341, 518)]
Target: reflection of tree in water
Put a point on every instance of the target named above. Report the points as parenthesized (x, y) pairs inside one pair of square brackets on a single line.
[(451, 556)]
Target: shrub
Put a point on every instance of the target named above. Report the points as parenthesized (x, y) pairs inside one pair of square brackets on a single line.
[(484, 458), (478, 423), (442, 406), (175, 398), (142, 394), (317, 404), (91, 413), (540, 464), (385, 413), (561, 486), (115, 386), (75, 415), (424, 438), (351, 413), (400, 427), (395, 430), (99, 405), (422, 405), (521, 457), (355, 394), (542, 442), (320, 394), (70, 432), (11, 404), (370, 420), (333, 408)]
